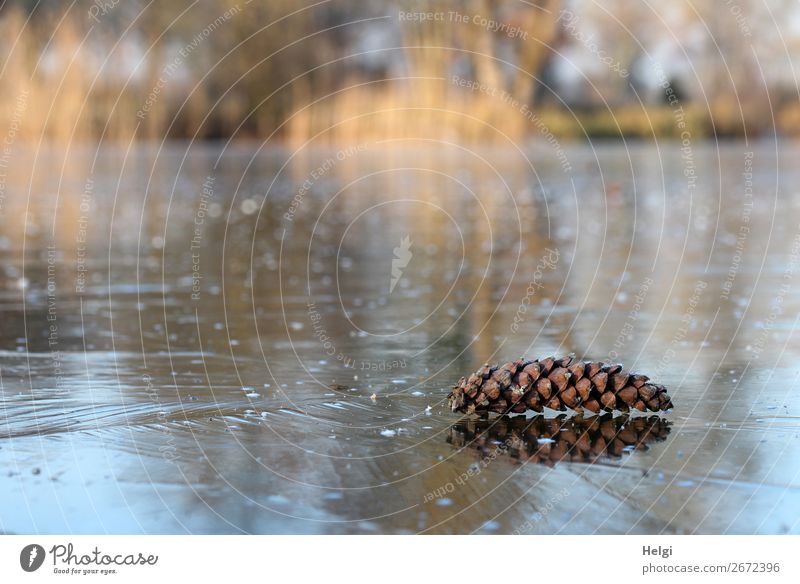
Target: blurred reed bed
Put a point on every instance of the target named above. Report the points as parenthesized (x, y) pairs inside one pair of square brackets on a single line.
[(276, 70)]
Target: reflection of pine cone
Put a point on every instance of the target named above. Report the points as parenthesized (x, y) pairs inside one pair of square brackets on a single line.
[(557, 384), (550, 440)]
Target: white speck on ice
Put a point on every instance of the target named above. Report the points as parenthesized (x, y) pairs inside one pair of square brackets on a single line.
[(248, 206)]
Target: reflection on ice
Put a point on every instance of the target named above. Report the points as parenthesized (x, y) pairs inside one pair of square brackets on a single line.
[(543, 440)]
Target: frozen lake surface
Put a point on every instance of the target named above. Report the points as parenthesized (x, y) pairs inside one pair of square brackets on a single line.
[(200, 339)]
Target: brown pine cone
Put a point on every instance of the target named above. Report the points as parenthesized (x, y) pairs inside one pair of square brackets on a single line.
[(557, 384)]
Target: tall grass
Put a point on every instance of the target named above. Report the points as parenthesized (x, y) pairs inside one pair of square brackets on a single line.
[(335, 72)]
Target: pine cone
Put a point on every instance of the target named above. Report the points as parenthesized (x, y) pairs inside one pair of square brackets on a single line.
[(557, 384), (550, 440)]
